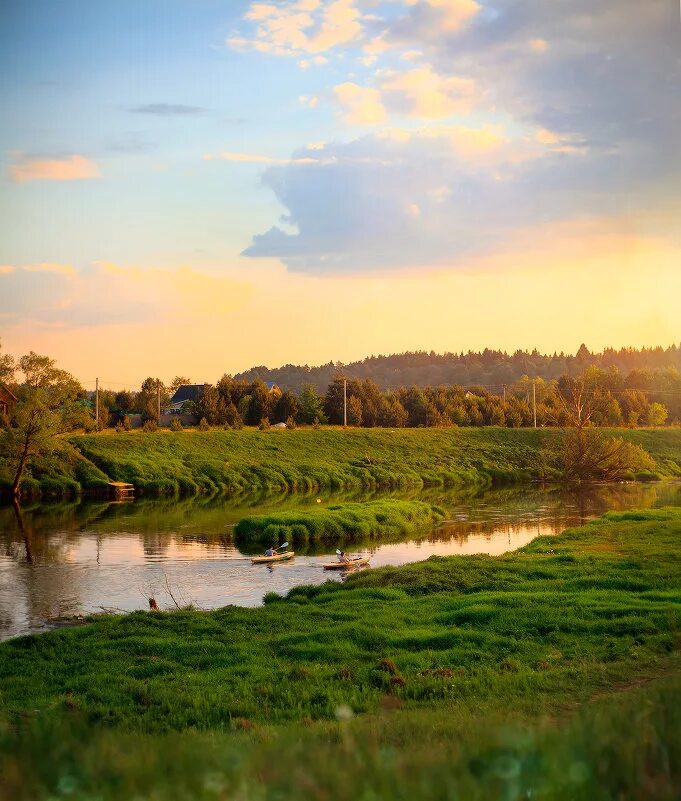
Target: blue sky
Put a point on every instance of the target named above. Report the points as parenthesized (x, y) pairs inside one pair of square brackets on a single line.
[(303, 149)]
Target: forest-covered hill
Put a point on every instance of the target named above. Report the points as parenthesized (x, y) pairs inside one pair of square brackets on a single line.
[(491, 368)]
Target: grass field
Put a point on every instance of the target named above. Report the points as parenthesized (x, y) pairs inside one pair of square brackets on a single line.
[(252, 461), (347, 522), (446, 669)]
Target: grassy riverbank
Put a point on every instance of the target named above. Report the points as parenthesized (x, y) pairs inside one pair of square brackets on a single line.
[(252, 461), (423, 656), (347, 522)]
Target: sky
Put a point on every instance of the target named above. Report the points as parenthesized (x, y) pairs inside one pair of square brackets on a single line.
[(194, 187)]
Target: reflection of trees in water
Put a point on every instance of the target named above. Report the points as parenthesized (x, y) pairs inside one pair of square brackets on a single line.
[(33, 592)]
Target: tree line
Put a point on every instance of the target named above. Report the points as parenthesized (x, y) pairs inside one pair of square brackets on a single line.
[(491, 368), (643, 398), (50, 402)]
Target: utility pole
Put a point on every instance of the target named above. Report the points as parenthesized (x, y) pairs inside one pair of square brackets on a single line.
[(345, 403), (504, 393), (97, 401), (534, 401), (158, 399)]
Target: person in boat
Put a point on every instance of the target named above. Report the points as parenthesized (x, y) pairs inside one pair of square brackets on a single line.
[(269, 552), (343, 557)]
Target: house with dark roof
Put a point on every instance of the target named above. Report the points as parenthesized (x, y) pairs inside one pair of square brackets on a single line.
[(8, 401), (187, 392)]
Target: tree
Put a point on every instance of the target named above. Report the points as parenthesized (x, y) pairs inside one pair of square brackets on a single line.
[(177, 382), (7, 367), (355, 411), (286, 406), (124, 402), (147, 398), (211, 406), (311, 406), (656, 414), (46, 407)]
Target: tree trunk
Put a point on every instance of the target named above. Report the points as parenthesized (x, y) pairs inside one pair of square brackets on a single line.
[(20, 471)]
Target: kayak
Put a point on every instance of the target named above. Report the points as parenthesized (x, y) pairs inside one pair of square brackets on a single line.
[(358, 562), (278, 557)]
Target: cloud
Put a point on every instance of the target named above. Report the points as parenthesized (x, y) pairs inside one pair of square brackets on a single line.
[(104, 294), (403, 198), (167, 110), (302, 27), (48, 267), (37, 168), (257, 158), (422, 92), (448, 15), (362, 105)]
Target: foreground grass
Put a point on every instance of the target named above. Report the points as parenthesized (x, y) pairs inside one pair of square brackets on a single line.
[(347, 522), (455, 662), (622, 746)]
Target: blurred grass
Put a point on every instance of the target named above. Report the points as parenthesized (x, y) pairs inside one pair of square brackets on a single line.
[(622, 746)]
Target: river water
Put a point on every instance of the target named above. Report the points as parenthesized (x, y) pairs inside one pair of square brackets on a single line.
[(66, 559)]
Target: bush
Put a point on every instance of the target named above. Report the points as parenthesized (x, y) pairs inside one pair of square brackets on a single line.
[(315, 423), (290, 422), (176, 424), (150, 426), (120, 428), (127, 422), (203, 425), (264, 424)]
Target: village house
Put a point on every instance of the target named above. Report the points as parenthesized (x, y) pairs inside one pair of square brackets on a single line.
[(7, 401), (187, 392), (192, 392)]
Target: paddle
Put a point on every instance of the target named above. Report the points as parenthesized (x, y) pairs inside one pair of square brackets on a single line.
[(285, 545)]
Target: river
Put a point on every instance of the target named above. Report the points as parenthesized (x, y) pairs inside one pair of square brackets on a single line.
[(60, 560)]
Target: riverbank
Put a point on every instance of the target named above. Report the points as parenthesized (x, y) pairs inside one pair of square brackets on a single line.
[(444, 646), (252, 461)]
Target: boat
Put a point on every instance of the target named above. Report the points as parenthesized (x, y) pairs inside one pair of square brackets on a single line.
[(359, 561), (278, 557)]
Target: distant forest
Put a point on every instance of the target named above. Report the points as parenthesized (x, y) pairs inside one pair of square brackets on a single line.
[(491, 369)]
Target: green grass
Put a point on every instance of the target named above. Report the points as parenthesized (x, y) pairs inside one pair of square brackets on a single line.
[(304, 459), (548, 624), (251, 461), (347, 522), (622, 746), (464, 677), (461, 677)]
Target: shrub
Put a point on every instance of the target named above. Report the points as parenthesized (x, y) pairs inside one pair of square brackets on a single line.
[(290, 422), (203, 425), (264, 424), (127, 422), (120, 429), (176, 424), (150, 426)]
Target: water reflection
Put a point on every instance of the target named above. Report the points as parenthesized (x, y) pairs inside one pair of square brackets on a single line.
[(69, 558)]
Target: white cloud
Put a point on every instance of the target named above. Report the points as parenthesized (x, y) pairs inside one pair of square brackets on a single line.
[(297, 28), (451, 15), (362, 105), (38, 168), (425, 93)]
